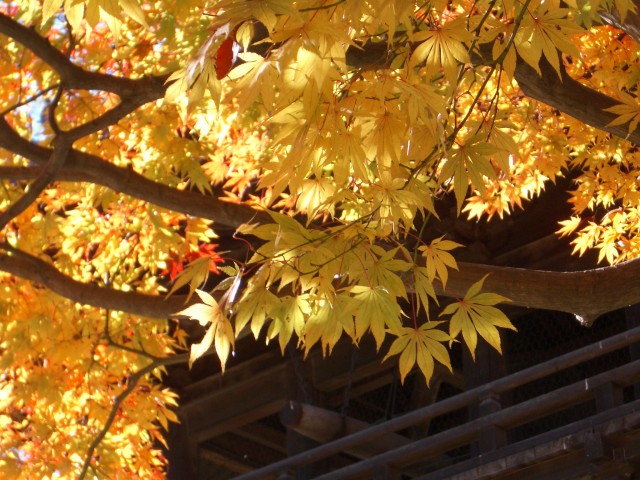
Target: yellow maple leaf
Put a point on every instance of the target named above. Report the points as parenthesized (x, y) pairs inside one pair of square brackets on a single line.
[(546, 32), (376, 309), (438, 259), (420, 346), (627, 111), (475, 314), (443, 47), (194, 275), (219, 333), (469, 161), (326, 323)]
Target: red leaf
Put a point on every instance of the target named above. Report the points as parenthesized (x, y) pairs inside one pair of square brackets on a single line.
[(173, 269), (225, 56)]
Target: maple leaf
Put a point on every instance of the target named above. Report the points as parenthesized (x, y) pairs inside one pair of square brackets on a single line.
[(423, 286), (438, 259), (290, 316), (257, 304), (420, 346), (95, 11), (469, 161), (194, 275), (569, 226), (443, 47), (373, 309), (545, 32), (326, 323), (219, 331), (475, 314), (628, 112)]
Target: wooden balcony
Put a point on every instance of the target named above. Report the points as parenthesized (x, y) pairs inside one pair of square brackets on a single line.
[(606, 443), (572, 415)]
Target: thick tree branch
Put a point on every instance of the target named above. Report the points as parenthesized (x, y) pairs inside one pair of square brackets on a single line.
[(566, 94), (90, 168), (73, 76), (631, 24), (190, 203), (586, 294), (28, 267), (58, 156), (572, 98)]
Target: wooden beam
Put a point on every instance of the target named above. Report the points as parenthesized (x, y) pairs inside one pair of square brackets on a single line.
[(462, 434), (264, 435), (557, 454), (226, 462), (324, 426)]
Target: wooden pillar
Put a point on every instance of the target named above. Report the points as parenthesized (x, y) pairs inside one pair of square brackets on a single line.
[(181, 452), (488, 365), (299, 389), (608, 396)]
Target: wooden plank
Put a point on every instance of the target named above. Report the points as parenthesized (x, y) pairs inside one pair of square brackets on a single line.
[(234, 374)]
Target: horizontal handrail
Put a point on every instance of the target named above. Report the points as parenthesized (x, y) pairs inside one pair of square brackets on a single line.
[(595, 423), (456, 402), (512, 416)]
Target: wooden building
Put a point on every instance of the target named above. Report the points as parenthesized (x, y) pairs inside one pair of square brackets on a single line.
[(563, 402)]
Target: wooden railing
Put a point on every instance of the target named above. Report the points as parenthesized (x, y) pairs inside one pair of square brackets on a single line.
[(488, 435)]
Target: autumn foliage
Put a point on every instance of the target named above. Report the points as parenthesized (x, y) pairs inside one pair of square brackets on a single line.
[(276, 168)]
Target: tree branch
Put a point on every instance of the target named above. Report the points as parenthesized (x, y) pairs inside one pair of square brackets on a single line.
[(184, 201), (117, 402), (30, 99), (571, 97), (566, 94), (73, 76), (28, 267), (111, 117), (631, 24), (586, 293), (90, 168), (58, 157)]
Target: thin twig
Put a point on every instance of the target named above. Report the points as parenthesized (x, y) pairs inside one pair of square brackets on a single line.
[(132, 383), (28, 100)]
